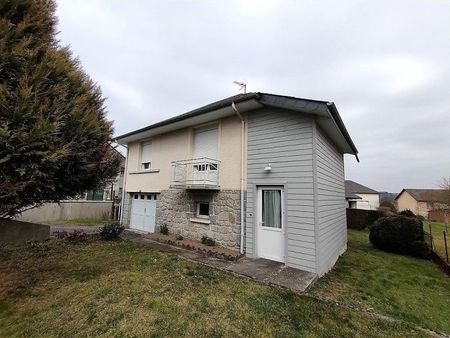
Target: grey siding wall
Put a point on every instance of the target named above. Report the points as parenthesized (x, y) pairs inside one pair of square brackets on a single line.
[(331, 216), (284, 139)]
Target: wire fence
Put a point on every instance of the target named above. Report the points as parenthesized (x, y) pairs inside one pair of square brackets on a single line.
[(439, 243)]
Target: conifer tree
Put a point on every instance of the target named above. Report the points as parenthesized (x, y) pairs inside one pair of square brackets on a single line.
[(54, 135)]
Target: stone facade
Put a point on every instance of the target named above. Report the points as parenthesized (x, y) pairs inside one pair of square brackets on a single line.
[(126, 209), (178, 208)]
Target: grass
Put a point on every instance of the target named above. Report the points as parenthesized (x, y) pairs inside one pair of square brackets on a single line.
[(124, 289), (401, 287), (80, 221), (437, 230)]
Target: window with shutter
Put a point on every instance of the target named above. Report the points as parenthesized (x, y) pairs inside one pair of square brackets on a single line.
[(146, 155), (205, 142)]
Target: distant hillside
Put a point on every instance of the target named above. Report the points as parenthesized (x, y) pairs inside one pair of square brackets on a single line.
[(387, 196)]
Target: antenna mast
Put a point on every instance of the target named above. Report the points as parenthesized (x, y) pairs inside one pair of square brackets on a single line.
[(242, 85)]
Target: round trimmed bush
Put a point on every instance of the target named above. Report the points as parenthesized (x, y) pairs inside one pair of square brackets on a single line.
[(407, 213), (399, 234)]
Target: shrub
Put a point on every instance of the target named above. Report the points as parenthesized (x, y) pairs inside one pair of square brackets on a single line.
[(390, 205), (373, 215), (360, 219), (76, 236), (407, 213), (399, 234), (420, 218), (111, 231), (164, 229), (386, 211), (179, 238), (208, 241)]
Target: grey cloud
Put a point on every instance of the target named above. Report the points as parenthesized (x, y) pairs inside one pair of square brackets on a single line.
[(385, 65)]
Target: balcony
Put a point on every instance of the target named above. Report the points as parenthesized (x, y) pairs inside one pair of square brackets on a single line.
[(197, 173)]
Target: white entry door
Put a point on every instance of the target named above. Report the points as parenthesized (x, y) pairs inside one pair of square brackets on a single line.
[(143, 212), (270, 228)]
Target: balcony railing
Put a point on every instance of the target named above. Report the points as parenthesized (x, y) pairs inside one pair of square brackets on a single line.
[(197, 173)]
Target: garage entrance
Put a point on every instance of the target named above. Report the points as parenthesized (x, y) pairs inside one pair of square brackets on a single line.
[(143, 212)]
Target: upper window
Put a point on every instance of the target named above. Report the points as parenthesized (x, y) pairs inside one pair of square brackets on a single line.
[(146, 155)]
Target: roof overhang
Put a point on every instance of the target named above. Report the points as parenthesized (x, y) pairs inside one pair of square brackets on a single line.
[(186, 122), (325, 113)]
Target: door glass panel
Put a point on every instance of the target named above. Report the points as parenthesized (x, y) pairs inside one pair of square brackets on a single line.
[(271, 208)]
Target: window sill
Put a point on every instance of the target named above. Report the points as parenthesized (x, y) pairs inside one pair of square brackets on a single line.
[(200, 220), (147, 171)]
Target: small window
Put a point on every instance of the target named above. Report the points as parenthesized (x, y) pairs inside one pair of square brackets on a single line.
[(136, 196), (146, 155), (142, 197), (203, 209)]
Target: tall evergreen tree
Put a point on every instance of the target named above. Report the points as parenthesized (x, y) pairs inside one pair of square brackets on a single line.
[(54, 135)]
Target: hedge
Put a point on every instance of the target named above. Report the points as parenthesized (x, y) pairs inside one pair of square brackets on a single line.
[(360, 219)]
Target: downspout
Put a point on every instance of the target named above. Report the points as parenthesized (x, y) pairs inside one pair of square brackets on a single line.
[(125, 172), (242, 173)]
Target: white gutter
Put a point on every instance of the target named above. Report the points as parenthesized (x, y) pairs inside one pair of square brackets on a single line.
[(242, 174), (125, 173)]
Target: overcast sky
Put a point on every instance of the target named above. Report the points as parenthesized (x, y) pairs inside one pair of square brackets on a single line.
[(386, 66)]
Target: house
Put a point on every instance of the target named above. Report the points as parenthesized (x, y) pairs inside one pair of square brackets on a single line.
[(429, 203), (101, 203), (359, 196), (110, 191), (257, 172)]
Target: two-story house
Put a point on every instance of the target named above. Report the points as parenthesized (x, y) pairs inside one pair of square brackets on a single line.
[(257, 172)]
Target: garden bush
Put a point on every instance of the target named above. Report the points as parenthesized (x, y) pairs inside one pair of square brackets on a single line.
[(208, 241), (74, 237), (164, 229), (399, 234), (390, 205), (407, 213), (111, 231), (360, 219)]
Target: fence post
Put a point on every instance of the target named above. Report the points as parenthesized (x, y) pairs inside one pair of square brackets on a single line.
[(445, 243), (431, 237)]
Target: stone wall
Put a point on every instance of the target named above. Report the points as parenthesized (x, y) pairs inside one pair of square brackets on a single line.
[(126, 209), (12, 231), (177, 209)]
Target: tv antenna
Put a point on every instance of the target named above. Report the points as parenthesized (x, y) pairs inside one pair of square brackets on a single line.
[(242, 85)]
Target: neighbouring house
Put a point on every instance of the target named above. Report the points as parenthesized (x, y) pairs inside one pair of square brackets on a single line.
[(257, 172), (359, 196), (429, 203), (110, 191), (103, 202)]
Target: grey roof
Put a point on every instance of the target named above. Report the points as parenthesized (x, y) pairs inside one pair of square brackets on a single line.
[(198, 111), (428, 195), (351, 196), (322, 108), (355, 188)]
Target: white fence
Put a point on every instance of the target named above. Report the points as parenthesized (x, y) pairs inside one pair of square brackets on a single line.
[(67, 210)]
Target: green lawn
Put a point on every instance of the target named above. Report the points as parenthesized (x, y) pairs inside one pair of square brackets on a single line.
[(437, 230), (124, 289), (80, 221), (402, 287)]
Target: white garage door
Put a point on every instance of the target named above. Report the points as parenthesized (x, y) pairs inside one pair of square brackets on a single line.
[(143, 212)]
